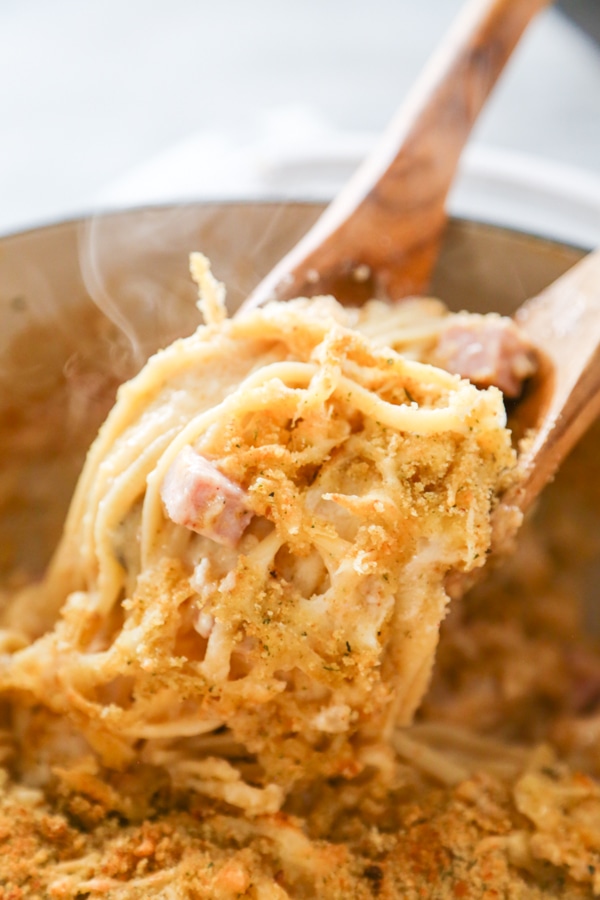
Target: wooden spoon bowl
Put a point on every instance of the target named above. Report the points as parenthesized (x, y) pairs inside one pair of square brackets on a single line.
[(563, 322)]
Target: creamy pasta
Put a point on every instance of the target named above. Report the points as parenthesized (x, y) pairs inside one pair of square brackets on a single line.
[(259, 553)]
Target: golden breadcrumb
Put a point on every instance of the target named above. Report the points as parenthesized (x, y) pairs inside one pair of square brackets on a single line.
[(254, 569), (481, 840), (211, 694)]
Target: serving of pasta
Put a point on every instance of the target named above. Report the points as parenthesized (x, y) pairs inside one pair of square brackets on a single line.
[(213, 690)]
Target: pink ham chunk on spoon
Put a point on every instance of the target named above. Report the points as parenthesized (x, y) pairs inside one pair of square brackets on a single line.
[(198, 496), (488, 350)]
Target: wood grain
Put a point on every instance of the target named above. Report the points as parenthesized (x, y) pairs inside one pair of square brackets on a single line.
[(563, 321), (380, 237)]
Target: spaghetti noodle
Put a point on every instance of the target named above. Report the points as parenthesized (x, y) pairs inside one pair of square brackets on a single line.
[(259, 549)]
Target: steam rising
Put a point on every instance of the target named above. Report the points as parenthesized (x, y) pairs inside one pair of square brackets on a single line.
[(135, 264), (135, 270)]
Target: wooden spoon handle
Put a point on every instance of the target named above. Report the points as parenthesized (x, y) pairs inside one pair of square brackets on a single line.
[(380, 236), (564, 323)]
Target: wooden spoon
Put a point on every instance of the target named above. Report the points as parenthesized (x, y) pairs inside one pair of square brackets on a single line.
[(380, 236), (563, 322)]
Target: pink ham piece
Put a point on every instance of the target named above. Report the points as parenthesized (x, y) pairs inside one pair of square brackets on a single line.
[(487, 350), (198, 496)]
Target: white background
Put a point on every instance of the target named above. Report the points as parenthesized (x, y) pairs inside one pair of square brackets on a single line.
[(92, 89)]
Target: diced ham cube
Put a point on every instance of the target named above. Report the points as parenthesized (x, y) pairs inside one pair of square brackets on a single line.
[(198, 496), (488, 350)]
